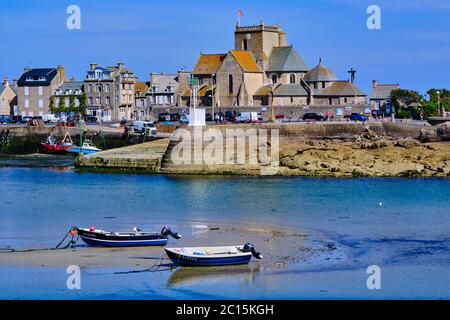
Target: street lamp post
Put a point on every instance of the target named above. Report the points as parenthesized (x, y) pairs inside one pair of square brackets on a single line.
[(439, 102), (212, 95)]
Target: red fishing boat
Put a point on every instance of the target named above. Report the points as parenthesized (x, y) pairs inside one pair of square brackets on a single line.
[(52, 145)]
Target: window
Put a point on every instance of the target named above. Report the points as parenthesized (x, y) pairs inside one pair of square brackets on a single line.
[(292, 78), (29, 78), (107, 88), (230, 84), (27, 103), (26, 91), (90, 88), (40, 91), (41, 103), (99, 88), (245, 44), (91, 101), (292, 99), (274, 79), (323, 85), (108, 100), (41, 78)]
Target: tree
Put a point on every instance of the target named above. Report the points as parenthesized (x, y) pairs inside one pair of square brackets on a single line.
[(52, 106), (401, 99), (72, 106), (82, 106), (442, 100), (62, 104)]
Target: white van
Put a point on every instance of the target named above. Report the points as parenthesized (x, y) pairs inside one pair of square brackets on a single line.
[(50, 118), (146, 127), (247, 117)]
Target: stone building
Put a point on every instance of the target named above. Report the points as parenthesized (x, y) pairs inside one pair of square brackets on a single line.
[(34, 89), (71, 92), (259, 40), (110, 92), (163, 89), (141, 103), (381, 93), (8, 98), (238, 78), (264, 70)]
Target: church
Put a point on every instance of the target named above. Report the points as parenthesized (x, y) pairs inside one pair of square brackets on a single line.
[(264, 70)]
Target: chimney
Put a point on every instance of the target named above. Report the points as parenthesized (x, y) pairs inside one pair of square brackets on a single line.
[(6, 82), (15, 82), (374, 83), (120, 65), (61, 73), (92, 66)]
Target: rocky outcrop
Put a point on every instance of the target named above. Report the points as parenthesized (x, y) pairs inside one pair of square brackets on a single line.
[(366, 155), (438, 133)]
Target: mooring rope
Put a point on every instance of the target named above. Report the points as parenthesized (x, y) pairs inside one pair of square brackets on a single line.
[(156, 267), (70, 244)]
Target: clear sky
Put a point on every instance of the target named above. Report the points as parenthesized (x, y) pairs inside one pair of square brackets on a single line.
[(412, 48)]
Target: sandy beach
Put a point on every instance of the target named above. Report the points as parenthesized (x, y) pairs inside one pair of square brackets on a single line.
[(281, 248)]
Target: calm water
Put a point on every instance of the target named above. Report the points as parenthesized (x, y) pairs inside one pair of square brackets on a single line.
[(408, 235)]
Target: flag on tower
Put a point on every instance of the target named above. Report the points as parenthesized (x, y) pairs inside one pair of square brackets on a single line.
[(240, 13)]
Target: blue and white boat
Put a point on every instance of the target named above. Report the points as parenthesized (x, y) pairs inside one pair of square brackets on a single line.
[(87, 148), (212, 256), (100, 238)]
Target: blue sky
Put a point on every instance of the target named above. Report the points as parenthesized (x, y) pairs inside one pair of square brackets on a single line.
[(412, 48)]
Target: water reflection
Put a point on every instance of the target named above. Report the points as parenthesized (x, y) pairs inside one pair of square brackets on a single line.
[(195, 275)]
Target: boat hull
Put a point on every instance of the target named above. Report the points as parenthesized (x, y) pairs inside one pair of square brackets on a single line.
[(105, 240), (85, 151), (54, 148), (206, 261)]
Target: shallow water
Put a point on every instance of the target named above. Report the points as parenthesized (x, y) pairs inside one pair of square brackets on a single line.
[(402, 225)]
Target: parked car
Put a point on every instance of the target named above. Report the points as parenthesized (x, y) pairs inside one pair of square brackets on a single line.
[(5, 119), (146, 127), (230, 116), (174, 116), (208, 117), (163, 117), (219, 117), (26, 119), (16, 119), (247, 117), (50, 118), (312, 117), (358, 117), (90, 119), (184, 119)]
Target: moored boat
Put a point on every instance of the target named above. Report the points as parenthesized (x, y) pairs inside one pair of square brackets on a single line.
[(213, 256), (52, 145), (100, 238), (87, 148)]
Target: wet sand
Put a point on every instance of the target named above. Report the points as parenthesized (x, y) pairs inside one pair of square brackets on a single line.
[(282, 248)]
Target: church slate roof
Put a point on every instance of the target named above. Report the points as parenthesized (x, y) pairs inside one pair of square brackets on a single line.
[(383, 91), (245, 60), (320, 73), (208, 63), (341, 88), (283, 90), (290, 90), (286, 59)]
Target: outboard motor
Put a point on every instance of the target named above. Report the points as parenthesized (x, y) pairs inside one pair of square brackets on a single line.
[(167, 232), (248, 247)]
